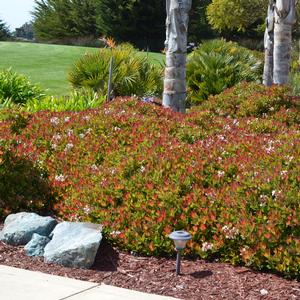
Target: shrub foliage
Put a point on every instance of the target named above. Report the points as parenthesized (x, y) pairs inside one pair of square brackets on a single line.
[(17, 88), (133, 74), (143, 171), (216, 65)]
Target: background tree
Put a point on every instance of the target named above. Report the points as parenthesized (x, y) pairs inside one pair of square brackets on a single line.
[(238, 15), (25, 31), (199, 27), (140, 22), (59, 19), (4, 31)]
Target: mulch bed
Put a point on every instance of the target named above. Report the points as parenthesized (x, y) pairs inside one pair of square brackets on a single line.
[(199, 279)]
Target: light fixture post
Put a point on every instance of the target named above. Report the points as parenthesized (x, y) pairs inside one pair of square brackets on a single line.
[(180, 239), (178, 262)]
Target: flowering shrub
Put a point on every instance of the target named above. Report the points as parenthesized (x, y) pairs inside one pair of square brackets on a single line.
[(144, 171), (251, 100)]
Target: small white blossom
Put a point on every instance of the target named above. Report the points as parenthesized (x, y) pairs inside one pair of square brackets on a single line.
[(143, 169), (207, 246), (106, 111), (87, 209), (69, 146), (81, 135), (230, 233), (86, 118), (60, 178), (67, 119), (69, 132), (94, 167), (236, 122), (56, 137), (53, 146), (54, 121), (221, 174), (264, 292)]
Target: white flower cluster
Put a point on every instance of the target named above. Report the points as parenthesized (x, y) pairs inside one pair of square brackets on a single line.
[(94, 167), (54, 121), (56, 137), (60, 178), (207, 246), (69, 132), (230, 233), (221, 173), (68, 147)]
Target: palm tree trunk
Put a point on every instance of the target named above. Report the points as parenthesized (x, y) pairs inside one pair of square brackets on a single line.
[(174, 95), (269, 45), (284, 19)]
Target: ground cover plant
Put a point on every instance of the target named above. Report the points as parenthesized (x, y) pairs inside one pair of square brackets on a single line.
[(142, 171), (48, 65)]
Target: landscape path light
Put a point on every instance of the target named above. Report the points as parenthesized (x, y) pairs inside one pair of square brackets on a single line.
[(180, 239)]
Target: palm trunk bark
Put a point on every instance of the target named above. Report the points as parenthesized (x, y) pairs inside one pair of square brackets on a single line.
[(284, 19), (174, 95), (269, 45)]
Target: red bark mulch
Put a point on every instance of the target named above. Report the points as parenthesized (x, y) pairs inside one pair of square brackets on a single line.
[(199, 279)]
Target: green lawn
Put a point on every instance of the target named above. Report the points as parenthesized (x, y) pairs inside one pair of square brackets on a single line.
[(45, 64)]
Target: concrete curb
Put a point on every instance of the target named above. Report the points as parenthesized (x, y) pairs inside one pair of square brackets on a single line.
[(28, 285)]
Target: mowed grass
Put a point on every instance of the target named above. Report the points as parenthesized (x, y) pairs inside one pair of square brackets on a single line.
[(47, 65)]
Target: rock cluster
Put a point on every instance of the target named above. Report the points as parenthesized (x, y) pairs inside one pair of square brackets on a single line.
[(68, 243)]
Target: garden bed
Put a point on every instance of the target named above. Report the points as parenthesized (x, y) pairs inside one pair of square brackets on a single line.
[(199, 279)]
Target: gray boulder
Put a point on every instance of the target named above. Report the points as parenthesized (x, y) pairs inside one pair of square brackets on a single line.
[(36, 245), (19, 228), (73, 244)]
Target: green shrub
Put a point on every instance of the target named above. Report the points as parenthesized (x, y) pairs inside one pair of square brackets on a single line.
[(78, 100), (133, 74), (143, 171), (294, 82), (217, 65), (17, 88), (23, 184), (250, 100)]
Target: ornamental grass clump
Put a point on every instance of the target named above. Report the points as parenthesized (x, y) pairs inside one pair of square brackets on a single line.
[(143, 171)]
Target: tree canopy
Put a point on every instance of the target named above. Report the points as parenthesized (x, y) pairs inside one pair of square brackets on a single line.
[(238, 15), (59, 19), (4, 31), (140, 22)]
